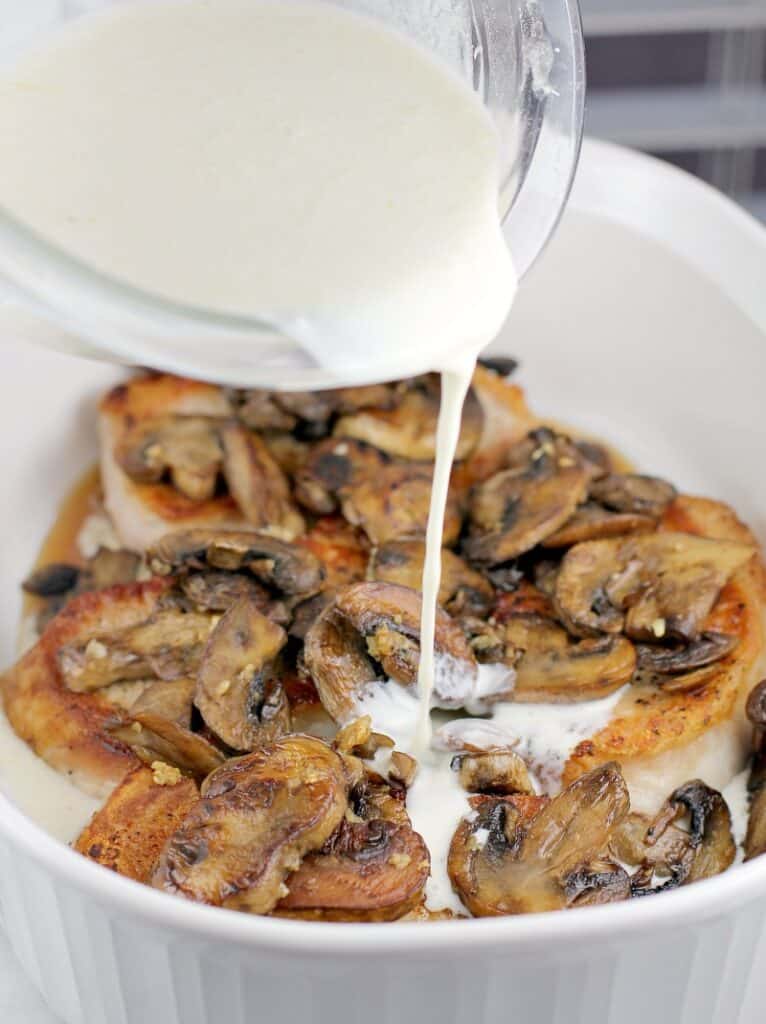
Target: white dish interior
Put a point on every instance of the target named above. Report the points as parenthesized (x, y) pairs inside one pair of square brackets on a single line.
[(617, 335)]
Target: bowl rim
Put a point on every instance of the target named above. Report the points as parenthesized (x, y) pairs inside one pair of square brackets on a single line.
[(641, 193)]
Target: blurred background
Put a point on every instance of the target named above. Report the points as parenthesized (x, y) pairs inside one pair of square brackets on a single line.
[(684, 80)]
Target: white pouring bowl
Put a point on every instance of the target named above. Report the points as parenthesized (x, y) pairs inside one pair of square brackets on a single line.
[(645, 323)]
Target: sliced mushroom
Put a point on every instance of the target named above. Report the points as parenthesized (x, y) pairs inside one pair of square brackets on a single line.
[(755, 840), (500, 864), (216, 591), (168, 645), (594, 522), (260, 410), (520, 506), (128, 833), (462, 591), (380, 622), (633, 494), (493, 771), (258, 817), (257, 484), (52, 580), (155, 738), (601, 881), (238, 691), (503, 366), (709, 837), (657, 586), (188, 447), (660, 864), (108, 567), (286, 567), (674, 660), (374, 868), (168, 698), (408, 430), (388, 498), (552, 667)]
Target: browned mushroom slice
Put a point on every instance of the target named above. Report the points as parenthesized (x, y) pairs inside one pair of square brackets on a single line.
[(188, 447), (108, 567), (462, 591), (633, 494), (707, 849), (594, 522), (499, 864), (52, 580), (551, 666), (168, 698), (674, 660), (493, 771), (503, 366), (152, 737), (169, 645), (652, 587), (259, 410), (128, 833), (755, 840), (601, 881), (520, 506), (374, 868), (216, 591), (258, 817), (388, 498), (380, 622), (238, 691), (257, 484), (286, 567), (408, 430)]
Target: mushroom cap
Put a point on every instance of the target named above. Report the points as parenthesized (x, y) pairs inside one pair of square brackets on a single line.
[(649, 586), (258, 816), (379, 622), (238, 691), (525, 862)]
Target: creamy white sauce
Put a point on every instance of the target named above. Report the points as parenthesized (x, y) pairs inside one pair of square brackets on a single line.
[(44, 795), (544, 734), (289, 160), (738, 800)]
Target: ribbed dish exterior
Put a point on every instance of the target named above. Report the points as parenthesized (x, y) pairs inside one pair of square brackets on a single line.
[(94, 967)]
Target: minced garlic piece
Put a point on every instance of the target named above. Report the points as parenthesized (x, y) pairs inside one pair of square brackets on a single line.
[(658, 628), (165, 774)]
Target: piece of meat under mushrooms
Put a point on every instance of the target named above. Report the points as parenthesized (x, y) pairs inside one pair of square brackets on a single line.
[(501, 864), (553, 667), (128, 833), (258, 816), (408, 430), (371, 623), (462, 590), (755, 840), (287, 568), (186, 447), (239, 693), (651, 587), (374, 868), (520, 506), (388, 498)]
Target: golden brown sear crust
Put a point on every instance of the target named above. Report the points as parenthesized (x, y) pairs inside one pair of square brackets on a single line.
[(649, 720), (129, 832), (70, 730), (143, 512)]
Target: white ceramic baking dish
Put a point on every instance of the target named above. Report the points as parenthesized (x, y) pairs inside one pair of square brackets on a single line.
[(644, 322)]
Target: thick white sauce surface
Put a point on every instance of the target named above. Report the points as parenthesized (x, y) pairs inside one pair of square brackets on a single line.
[(285, 159)]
